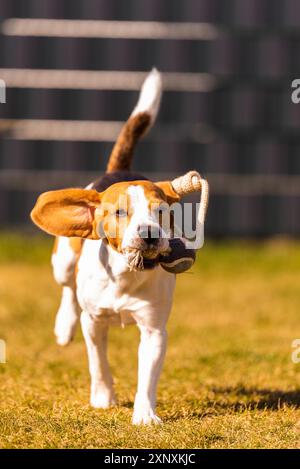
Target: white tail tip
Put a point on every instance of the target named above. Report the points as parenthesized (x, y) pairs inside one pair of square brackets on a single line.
[(150, 95)]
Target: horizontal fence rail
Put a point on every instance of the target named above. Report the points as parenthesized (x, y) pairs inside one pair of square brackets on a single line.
[(96, 131), (107, 131), (152, 30), (109, 29), (103, 80)]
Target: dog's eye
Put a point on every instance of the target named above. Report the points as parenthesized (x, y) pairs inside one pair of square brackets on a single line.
[(121, 212)]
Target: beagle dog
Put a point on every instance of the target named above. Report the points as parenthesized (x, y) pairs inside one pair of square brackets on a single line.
[(109, 238)]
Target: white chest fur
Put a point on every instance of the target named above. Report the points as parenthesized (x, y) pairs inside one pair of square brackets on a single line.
[(104, 282)]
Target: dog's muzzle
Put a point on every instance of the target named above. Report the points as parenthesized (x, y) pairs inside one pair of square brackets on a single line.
[(144, 259)]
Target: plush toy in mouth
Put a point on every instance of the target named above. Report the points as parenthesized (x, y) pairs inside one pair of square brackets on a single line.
[(180, 257)]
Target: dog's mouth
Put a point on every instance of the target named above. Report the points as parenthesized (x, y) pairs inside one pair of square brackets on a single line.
[(145, 253), (138, 259)]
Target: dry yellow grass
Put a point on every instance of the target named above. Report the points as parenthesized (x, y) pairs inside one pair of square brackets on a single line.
[(228, 380)]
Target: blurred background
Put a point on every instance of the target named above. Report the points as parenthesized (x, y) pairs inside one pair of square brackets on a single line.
[(226, 111)]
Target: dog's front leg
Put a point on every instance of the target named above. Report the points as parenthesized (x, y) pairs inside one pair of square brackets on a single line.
[(95, 333), (152, 351)]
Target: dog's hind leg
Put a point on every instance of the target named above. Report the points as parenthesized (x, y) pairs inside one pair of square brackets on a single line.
[(64, 258), (95, 331)]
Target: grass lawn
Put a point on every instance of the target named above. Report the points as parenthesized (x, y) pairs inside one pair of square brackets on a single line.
[(228, 379)]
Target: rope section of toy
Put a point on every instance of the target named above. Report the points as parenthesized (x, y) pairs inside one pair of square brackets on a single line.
[(193, 182)]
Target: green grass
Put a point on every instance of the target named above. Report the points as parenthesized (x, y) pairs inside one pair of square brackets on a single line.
[(228, 379)]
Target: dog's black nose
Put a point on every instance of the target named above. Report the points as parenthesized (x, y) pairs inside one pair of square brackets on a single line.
[(150, 234)]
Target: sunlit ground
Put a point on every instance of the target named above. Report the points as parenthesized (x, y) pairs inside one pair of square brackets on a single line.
[(228, 380)]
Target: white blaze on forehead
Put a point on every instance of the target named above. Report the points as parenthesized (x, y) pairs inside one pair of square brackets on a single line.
[(141, 214), (138, 200)]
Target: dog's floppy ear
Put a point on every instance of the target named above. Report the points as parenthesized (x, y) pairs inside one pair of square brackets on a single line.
[(169, 192), (67, 212)]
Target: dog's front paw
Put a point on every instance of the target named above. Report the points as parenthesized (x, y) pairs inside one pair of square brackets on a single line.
[(145, 417), (102, 398)]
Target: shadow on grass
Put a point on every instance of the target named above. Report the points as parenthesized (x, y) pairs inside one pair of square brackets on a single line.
[(237, 400), (253, 398), (127, 404)]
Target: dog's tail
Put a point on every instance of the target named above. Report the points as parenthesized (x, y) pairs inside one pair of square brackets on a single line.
[(140, 121)]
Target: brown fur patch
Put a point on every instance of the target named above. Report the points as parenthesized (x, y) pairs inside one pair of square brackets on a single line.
[(169, 192), (133, 130), (76, 244), (55, 246)]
